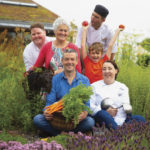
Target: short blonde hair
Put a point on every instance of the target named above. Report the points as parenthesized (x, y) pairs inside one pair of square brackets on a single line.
[(98, 47), (60, 21)]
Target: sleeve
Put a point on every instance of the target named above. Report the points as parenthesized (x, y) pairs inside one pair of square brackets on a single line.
[(41, 58), (95, 102), (51, 97), (78, 38), (125, 94), (109, 37), (27, 58)]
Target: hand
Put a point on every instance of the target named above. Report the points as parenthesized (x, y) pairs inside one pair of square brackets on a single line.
[(26, 74), (83, 115), (47, 115), (121, 27), (112, 111), (85, 25)]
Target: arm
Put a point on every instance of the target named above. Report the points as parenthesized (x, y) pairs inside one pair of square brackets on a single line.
[(125, 95), (83, 42), (78, 38), (111, 44), (27, 58), (41, 58), (95, 101), (51, 97)]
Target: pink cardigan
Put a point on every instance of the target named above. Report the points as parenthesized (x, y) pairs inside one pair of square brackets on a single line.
[(46, 54)]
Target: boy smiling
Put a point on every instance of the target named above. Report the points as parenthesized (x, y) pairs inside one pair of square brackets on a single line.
[(93, 60)]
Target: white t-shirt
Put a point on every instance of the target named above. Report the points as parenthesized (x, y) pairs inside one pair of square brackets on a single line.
[(103, 35), (31, 53), (116, 91)]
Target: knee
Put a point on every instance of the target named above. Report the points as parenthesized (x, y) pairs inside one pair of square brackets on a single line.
[(90, 122), (37, 119), (139, 118), (102, 114)]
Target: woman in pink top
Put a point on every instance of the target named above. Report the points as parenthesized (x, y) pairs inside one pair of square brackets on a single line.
[(51, 53)]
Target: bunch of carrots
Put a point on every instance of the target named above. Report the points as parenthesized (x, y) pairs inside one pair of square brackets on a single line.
[(57, 106)]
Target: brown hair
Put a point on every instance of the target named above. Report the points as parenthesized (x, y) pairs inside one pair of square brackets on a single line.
[(37, 25), (98, 47), (115, 66)]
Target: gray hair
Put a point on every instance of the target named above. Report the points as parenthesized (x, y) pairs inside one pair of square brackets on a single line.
[(70, 51), (60, 21)]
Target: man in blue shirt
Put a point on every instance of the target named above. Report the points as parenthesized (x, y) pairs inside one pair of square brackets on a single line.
[(61, 84)]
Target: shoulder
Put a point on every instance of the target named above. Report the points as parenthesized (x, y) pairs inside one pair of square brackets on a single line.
[(58, 77), (97, 86), (71, 45), (82, 77), (48, 39), (48, 44), (121, 85), (97, 83), (29, 48), (106, 29), (30, 45), (46, 47)]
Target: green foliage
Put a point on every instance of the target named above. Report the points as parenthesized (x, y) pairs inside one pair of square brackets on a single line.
[(74, 102), (137, 80), (146, 44), (38, 14), (16, 110), (143, 60), (61, 139), (4, 136)]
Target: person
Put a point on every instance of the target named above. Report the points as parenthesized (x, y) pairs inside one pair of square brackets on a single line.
[(32, 50), (98, 31), (51, 53), (61, 84), (109, 88), (93, 61)]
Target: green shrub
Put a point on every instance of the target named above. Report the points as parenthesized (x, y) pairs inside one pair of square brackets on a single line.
[(16, 110), (143, 60)]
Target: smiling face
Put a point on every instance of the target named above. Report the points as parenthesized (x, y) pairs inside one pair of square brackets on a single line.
[(95, 56), (62, 32), (69, 61), (38, 36), (96, 20), (109, 72)]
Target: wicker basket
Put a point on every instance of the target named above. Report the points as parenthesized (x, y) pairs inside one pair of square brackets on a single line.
[(59, 122)]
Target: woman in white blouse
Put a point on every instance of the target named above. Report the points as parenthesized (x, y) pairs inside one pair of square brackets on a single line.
[(109, 88)]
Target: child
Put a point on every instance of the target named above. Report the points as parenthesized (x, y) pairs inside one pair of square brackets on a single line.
[(93, 61)]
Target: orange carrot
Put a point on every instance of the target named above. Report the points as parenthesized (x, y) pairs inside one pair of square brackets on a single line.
[(57, 106)]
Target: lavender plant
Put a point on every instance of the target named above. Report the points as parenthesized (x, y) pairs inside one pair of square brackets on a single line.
[(135, 136), (38, 145)]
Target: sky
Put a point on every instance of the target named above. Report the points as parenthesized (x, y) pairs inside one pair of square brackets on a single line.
[(134, 14)]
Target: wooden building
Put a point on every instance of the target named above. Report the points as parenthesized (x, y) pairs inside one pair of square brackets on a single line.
[(22, 13)]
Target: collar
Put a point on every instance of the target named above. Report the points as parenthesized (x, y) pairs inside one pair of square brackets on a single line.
[(100, 28), (104, 84), (77, 75)]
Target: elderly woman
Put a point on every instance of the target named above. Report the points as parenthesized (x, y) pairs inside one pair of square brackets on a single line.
[(116, 93), (51, 53)]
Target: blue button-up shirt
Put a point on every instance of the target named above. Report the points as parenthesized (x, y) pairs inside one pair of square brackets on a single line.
[(60, 87)]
